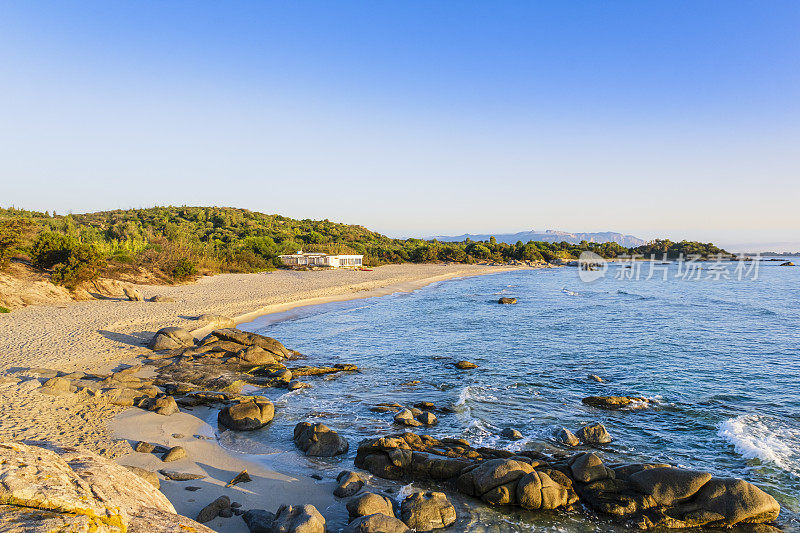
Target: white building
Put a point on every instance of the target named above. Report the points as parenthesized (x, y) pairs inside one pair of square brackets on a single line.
[(301, 258)]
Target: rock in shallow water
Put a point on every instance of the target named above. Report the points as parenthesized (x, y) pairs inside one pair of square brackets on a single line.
[(647, 495), (465, 365), (566, 437), (511, 434), (248, 415), (615, 402), (594, 434), (319, 440), (507, 301), (349, 483)]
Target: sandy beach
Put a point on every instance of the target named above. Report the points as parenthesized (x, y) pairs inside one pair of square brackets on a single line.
[(99, 336)]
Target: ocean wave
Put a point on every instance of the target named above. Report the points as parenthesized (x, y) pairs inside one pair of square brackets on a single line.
[(764, 438), (570, 293)]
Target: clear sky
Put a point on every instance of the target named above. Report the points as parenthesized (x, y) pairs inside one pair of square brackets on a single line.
[(657, 118)]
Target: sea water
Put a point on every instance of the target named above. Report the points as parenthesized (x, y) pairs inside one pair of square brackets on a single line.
[(718, 358)]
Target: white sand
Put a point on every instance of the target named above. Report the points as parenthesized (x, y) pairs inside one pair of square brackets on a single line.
[(101, 334)]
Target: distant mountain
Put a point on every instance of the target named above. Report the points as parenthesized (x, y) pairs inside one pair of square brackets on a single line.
[(550, 235)]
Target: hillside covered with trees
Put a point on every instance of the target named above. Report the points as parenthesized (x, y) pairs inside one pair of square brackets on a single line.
[(175, 243)]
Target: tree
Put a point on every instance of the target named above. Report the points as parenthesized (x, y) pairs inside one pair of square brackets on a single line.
[(12, 235)]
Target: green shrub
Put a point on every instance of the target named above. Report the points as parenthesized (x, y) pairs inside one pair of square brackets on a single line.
[(4, 309), (184, 269), (12, 235), (51, 249), (72, 262), (83, 264)]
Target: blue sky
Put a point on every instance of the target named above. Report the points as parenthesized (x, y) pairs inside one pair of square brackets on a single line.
[(678, 119)]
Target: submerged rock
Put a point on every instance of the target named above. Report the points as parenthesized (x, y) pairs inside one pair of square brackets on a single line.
[(507, 301), (615, 402), (511, 434), (319, 440), (465, 365)]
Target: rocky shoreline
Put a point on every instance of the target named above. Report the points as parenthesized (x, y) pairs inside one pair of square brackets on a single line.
[(184, 373)]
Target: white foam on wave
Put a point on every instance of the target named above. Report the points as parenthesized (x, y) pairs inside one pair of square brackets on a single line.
[(764, 438)]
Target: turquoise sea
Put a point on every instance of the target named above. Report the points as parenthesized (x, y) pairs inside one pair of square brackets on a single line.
[(720, 358)]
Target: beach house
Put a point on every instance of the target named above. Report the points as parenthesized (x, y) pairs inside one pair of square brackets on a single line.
[(301, 258)]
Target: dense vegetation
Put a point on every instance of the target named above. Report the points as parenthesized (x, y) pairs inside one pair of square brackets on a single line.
[(177, 242)]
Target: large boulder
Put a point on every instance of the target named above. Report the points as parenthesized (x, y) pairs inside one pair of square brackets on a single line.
[(255, 356), (668, 485), (298, 519), (545, 489), (376, 523), (171, 338), (727, 501), (426, 511), (68, 489), (247, 415), (217, 321), (319, 440), (588, 467), (492, 474), (132, 294), (657, 495), (250, 339), (369, 503)]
